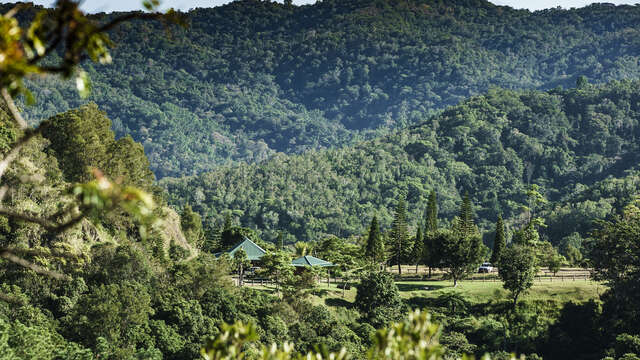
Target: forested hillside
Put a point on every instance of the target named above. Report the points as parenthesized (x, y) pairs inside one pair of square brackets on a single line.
[(252, 78), (579, 145)]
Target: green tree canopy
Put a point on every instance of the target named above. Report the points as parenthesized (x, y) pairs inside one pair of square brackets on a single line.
[(517, 270), (378, 299)]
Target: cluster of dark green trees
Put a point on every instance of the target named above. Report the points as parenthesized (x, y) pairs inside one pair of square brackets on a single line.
[(458, 249), (579, 145), (252, 78)]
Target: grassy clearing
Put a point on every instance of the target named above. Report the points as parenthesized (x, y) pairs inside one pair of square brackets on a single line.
[(418, 293), (478, 291)]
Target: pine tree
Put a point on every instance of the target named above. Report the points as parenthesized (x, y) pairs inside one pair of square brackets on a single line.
[(430, 252), (465, 218), (417, 251), (429, 249), (499, 243), (374, 248), (400, 235), (431, 213)]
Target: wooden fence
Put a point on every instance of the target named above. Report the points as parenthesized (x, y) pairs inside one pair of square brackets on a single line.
[(544, 275)]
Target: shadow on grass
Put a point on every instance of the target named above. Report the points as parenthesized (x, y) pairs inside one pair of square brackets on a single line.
[(416, 287), (337, 302), (421, 302), (321, 292)]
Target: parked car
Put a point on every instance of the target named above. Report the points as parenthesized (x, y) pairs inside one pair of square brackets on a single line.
[(485, 268)]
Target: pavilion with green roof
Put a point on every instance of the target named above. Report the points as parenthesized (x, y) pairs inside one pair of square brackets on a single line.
[(253, 251), (310, 261)]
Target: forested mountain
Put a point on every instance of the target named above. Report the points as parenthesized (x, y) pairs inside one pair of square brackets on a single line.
[(252, 78), (579, 145)]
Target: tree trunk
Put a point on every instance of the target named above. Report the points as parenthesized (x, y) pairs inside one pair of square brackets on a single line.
[(515, 300), (399, 268), (455, 281), (416, 268), (429, 272)]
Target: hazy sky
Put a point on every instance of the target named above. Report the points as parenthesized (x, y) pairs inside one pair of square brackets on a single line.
[(111, 5)]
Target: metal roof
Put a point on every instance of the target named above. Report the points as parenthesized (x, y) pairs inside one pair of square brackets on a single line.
[(309, 260), (254, 252)]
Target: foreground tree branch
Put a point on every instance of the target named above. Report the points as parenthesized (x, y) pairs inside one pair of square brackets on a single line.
[(13, 109), (12, 155), (68, 30), (45, 223), (8, 255)]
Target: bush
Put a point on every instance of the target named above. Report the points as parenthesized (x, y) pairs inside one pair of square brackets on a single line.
[(378, 299)]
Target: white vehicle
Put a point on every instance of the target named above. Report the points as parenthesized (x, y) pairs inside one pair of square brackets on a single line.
[(485, 268)]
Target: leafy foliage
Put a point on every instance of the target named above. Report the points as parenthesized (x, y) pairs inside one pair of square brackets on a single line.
[(517, 270), (378, 298), (615, 256)]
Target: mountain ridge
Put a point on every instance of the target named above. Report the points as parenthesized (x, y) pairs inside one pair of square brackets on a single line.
[(331, 73)]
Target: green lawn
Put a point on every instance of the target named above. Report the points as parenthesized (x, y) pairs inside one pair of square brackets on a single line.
[(478, 291), (419, 292)]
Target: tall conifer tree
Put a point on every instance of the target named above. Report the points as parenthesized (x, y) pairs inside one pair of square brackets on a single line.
[(374, 248), (400, 235), (429, 247), (499, 243), (465, 219), (431, 213), (417, 250)]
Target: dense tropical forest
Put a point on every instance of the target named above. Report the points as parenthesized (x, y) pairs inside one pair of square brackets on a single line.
[(251, 79), (362, 179)]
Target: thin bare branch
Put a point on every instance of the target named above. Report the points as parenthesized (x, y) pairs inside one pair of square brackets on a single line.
[(29, 265), (47, 224), (38, 252), (15, 113), (53, 38), (11, 13)]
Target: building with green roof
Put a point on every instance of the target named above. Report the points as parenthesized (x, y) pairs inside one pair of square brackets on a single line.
[(310, 261), (253, 251)]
